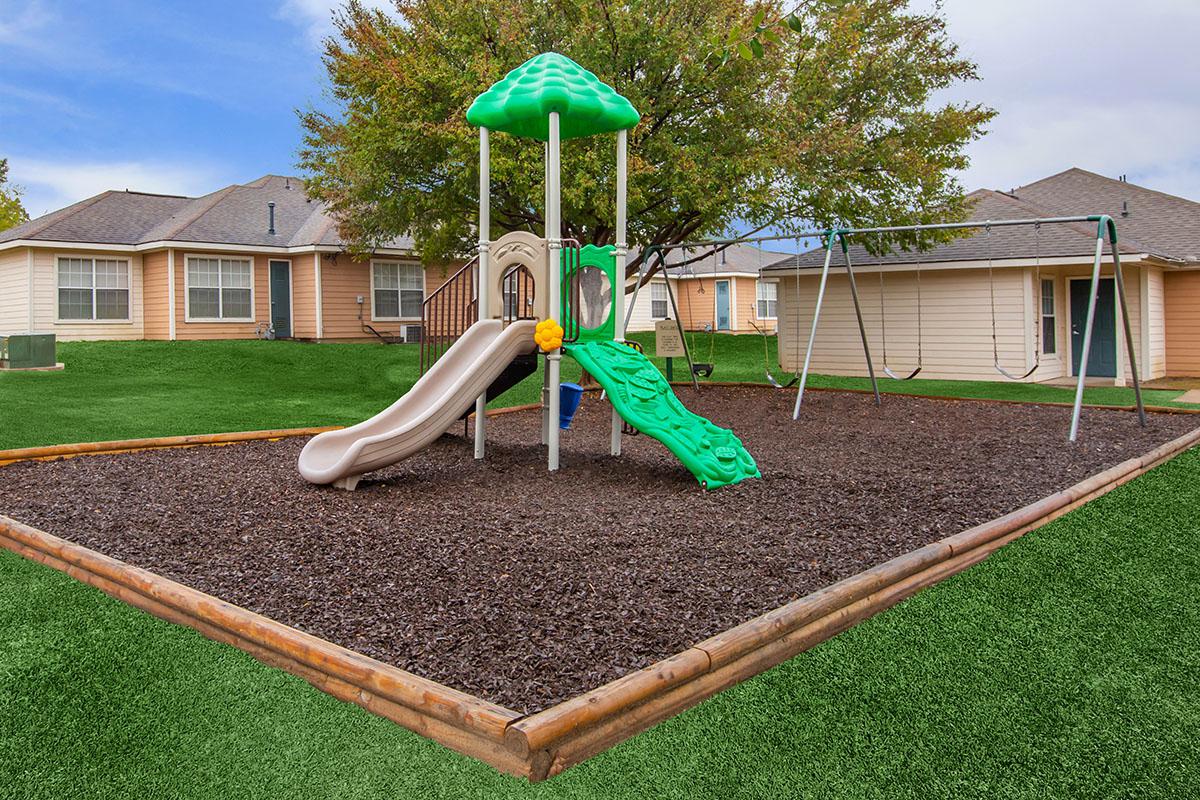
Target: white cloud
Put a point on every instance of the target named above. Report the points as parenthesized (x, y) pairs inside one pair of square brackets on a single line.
[(18, 23), (315, 17), (50, 185), (1108, 86)]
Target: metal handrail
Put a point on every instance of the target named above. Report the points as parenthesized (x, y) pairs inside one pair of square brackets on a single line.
[(448, 311)]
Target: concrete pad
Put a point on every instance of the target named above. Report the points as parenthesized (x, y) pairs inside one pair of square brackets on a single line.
[(1192, 396)]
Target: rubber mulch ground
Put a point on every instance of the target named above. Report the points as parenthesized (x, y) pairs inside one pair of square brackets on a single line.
[(526, 588)]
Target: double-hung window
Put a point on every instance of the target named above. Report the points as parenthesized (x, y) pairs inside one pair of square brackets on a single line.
[(399, 289), (220, 289), (658, 300), (768, 299), (93, 289), (1049, 346)]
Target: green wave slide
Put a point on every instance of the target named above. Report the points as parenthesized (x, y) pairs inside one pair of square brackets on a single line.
[(644, 399)]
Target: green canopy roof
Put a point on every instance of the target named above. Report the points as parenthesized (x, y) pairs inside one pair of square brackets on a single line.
[(521, 102)]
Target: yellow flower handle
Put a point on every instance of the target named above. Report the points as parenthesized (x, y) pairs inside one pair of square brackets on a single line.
[(548, 334)]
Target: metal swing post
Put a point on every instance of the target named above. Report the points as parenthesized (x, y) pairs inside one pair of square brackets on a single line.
[(1111, 225), (1105, 223), (862, 329), (812, 335), (1087, 334)]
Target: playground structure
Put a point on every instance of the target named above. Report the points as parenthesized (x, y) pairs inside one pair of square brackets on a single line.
[(509, 303), (1106, 227)]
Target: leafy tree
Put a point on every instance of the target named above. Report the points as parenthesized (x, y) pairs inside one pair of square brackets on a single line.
[(12, 213), (752, 113)]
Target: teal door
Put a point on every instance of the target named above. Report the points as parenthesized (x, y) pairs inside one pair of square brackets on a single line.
[(1102, 357), (281, 298), (723, 321)]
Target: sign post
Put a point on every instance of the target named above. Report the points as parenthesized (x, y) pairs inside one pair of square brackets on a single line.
[(668, 344)]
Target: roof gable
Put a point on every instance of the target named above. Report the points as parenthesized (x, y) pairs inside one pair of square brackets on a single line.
[(1151, 221), (236, 215)]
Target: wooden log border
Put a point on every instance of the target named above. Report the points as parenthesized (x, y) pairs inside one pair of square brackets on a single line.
[(541, 745), (56, 451)]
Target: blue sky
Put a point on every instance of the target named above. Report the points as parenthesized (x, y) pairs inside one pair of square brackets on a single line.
[(186, 97)]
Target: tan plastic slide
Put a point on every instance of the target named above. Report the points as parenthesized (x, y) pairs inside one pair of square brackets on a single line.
[(423, 414)]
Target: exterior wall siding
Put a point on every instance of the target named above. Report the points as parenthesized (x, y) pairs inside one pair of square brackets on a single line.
[(304, 296), (220, 330), (155, 295), (45, 299), (1156, 328), (956, 322), (641, 319), (341, 286), (1181, 292), (697, 308), (956, 329), (14, 291)]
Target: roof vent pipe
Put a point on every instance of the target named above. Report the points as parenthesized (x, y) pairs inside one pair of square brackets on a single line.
[(271, 212), (1124, 208)]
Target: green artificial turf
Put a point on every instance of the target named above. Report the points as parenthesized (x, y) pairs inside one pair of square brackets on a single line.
[(1067, 665), (117, 390)]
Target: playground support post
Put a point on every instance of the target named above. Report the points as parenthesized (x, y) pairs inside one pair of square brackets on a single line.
[(554, 242), (483, 290), (618, 288), (1104, 223)]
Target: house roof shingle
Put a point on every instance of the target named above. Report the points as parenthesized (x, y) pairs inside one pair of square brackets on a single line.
[(736, 258), (235, 215), (1159, 224)]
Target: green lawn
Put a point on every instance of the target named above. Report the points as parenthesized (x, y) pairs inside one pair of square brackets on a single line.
[(1067, 665), (116, 390)]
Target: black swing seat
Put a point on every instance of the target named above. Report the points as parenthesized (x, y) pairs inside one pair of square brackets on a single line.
[(703, 370)]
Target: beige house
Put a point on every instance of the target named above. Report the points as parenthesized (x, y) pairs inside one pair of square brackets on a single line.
[(237, 263), (1037, 284), (723, 291)]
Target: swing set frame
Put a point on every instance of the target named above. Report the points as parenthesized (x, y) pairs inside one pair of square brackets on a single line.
[(1106, 228)]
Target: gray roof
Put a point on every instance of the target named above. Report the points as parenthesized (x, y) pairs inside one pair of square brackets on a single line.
[(235, 215), (1158, 224), (736, 258)]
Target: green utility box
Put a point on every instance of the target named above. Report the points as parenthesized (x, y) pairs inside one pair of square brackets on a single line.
[(27, 351)]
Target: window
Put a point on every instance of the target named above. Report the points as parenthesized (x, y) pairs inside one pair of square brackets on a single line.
[(220, 289), (518, 288), (658, 300), (399, 289), (768, 299), (95, 289), (1049, 346)]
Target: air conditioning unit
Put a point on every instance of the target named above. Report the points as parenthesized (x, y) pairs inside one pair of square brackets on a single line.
[(27, 351), (412, 334)]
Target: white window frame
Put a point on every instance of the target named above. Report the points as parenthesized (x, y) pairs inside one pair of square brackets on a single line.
[(758, 299), (1043, 316), (666, 299), (400, 305), (187, 295), (93, 257)]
